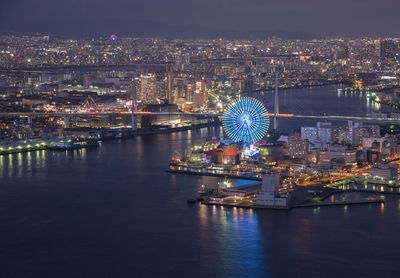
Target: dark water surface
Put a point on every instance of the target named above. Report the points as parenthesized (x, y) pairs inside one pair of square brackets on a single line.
[(115, 212)]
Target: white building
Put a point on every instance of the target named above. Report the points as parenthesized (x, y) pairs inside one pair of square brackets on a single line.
[(321, 133), (324, 132), (269, 195), (309, 133)]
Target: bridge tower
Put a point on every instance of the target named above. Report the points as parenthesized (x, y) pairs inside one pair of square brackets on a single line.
[(276, 103), (133, 97)]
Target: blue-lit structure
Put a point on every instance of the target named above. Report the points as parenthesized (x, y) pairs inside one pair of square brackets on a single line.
[(246, 120)]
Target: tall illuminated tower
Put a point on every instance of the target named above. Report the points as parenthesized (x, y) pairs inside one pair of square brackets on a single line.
[(276, 103), (133, 97), (170, 80)]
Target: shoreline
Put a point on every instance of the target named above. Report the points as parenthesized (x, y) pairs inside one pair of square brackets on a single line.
[(126, 134)]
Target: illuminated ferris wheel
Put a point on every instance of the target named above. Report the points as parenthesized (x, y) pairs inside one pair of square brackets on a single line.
[(246, 120)]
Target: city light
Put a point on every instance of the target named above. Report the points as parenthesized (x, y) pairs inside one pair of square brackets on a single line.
[(135, 138)]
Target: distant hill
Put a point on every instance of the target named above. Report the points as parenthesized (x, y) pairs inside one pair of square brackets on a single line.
[(138, 28), (189, 31)]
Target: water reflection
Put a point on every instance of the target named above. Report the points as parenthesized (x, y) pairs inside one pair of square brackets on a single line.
[(42, 159), (238, 240), (204, 132), (10, 165), (304, 234), (29, 161), (189, 136), (19, 165), (1, 165), (23, 167), (82, 153)]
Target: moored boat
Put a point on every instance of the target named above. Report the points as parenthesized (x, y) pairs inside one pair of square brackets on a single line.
[(73, 144)]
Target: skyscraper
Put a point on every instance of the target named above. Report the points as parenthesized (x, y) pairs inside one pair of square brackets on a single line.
[(148, 89), (388, 49), (180, 91), (200, 96), (170, 85)]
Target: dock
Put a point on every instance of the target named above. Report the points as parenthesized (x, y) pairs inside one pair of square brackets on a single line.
[(266, 195), (199, 172), (363, 202), (252, 206)]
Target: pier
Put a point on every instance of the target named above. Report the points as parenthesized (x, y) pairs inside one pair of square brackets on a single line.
[(266, 195), (310, 205), (363, 202)]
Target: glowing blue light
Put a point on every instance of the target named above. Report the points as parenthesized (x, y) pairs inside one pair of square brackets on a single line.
[(246, 120)]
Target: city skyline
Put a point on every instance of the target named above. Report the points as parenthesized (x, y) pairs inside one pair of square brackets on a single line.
[(206, 19), (215, 138)]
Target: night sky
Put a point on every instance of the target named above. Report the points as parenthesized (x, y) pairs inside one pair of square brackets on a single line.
[(323, 18)]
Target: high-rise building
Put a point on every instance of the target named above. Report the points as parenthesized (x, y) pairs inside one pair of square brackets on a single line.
[(388, 49), (309, 133), (148, 89), (180, 90), (359, 133), (200, 95), (180, 87), (170, 84), (190, 88), (372, 50), (320, 133), (324, 132)]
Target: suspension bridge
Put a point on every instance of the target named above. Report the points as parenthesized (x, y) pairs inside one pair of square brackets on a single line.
[(90, 109)]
